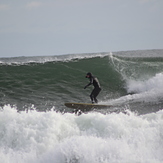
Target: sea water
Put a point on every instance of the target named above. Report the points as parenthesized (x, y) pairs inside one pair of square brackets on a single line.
[(36, 127), (39, 137)]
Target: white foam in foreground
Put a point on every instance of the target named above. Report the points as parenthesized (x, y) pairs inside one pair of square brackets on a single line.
[(39, 137)]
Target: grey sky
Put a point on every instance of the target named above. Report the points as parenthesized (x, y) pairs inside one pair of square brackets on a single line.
[(54, 27)]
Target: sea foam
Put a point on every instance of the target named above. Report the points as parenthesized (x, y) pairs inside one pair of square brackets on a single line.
[(38, 137)]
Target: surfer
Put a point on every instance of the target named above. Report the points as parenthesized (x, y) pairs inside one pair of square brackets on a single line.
[(96, 84)]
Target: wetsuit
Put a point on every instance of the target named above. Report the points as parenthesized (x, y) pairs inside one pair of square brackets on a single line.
[(97, 88)]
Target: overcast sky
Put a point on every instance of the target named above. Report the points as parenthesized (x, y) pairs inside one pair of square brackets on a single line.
[(55, 27)]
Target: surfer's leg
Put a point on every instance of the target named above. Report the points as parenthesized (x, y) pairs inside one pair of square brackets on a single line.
[(96, 92), (92, 96)]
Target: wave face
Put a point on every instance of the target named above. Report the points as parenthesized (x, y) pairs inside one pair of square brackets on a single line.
[(131, 79), (36, 127)]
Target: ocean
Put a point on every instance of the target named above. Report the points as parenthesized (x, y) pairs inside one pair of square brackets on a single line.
[(36, 127)]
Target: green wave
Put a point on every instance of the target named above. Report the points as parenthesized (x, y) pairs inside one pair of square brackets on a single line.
[(52, 83)]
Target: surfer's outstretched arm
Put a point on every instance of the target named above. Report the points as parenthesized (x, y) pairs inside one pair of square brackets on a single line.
[(90, 83), (87, 85)]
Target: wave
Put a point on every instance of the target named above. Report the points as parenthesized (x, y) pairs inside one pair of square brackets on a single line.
[(154, 83), (47, 82), (144, 91), (155, 53), (45, 59)]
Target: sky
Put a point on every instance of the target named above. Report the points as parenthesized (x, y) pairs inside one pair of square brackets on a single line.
[(56, 27)]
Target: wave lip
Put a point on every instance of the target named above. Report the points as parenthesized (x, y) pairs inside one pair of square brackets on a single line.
[(44, 59)]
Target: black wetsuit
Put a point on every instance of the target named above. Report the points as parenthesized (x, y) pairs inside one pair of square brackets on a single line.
[(97, 88)]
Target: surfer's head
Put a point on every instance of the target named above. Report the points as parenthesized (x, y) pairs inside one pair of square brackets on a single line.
[(88, 75)]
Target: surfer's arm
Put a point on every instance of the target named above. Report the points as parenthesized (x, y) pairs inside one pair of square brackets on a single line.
[(87, 85), (91, 82)]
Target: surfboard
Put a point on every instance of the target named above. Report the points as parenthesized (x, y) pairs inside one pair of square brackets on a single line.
[(85, 107)]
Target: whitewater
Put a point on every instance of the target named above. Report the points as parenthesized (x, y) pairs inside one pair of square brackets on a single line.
[(93, 137), (36, 127)]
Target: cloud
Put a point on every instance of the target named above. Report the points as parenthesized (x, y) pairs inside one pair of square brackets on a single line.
[(4, 7), (34, 4)]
